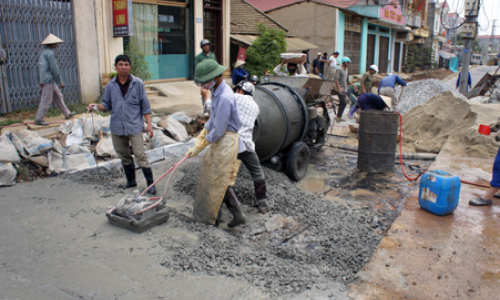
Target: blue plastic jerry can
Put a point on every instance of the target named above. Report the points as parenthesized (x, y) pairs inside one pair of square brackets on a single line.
[(439, 192)]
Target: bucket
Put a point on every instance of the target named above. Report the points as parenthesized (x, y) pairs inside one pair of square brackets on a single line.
[(378, 132), (484, 129)]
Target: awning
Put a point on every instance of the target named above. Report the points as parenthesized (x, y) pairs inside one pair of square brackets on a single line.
[(404, 37), (446, 55), (293, 44)]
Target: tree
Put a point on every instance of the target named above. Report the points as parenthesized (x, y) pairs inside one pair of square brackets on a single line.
[(264, 54), (139, 67)]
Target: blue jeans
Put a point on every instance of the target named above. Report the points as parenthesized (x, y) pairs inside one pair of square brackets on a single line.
[(352, 98)]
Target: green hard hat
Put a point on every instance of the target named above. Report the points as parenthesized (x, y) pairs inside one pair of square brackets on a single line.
[(345, 60), (206, 70)]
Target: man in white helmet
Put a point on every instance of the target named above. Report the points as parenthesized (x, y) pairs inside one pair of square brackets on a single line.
[(50, 78), (366, 81), (248, 111)]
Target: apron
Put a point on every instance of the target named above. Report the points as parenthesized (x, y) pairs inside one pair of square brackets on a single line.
[(218, 171)]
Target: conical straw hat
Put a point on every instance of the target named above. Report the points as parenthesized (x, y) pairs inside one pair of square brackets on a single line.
[(52, 39)]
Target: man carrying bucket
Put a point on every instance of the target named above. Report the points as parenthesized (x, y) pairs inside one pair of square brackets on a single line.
[(220, 165)]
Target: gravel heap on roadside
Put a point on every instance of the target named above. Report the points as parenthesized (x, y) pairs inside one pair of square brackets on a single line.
[(337, 242)]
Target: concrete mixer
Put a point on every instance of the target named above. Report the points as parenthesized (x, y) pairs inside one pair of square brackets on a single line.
[(288, 127)]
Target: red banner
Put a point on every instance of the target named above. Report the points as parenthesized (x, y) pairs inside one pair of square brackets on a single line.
[(121, 17), (242, 54)]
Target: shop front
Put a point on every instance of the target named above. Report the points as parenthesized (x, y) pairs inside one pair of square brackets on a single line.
[(162, 30)]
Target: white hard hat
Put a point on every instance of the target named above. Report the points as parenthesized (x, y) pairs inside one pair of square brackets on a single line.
[(248, 87), (52, 39), (374, 68)]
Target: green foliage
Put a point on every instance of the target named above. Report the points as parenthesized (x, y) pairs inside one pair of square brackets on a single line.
[(139, 66), (426, 57), (112, 75), (413, 58), (264, 54)]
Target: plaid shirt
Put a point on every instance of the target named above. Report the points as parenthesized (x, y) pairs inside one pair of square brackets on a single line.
[(248, 111)]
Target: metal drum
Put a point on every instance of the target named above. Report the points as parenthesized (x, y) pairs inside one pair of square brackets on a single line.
[(378, 132)]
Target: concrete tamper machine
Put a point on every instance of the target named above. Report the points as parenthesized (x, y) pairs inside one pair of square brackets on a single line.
[(293, 121)]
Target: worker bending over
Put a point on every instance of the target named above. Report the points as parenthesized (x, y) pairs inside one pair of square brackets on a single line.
[(387, 87)]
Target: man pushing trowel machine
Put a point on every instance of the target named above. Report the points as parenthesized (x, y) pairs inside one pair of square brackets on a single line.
[(219, 169)]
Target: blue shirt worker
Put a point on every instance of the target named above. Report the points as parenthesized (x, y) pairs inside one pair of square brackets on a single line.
[(50, 78), (248, 111), (370, 101), (126, 98), (387, 87), (220, 164), (239, 74), (469, 81)]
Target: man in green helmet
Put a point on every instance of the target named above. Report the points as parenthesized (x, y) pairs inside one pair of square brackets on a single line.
[(220, 165)]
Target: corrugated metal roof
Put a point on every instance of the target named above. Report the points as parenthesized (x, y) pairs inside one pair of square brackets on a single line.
[(269, 5), (293, 44), (245, 18)]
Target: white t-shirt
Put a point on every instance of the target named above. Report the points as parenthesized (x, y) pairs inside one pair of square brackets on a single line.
[(334, 62)]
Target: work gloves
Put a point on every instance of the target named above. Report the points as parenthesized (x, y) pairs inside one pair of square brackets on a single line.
[(199, 144)]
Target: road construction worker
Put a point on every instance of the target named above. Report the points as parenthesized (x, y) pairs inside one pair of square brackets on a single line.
[(128, 102), (248, 111), (387, 87), (341, 83), (370, 101), (291, 69), (366, 81), (220, 165), (205, 54), (50, 78)]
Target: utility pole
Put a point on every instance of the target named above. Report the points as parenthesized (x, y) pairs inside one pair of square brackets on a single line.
[(469, 32), (490, 45)]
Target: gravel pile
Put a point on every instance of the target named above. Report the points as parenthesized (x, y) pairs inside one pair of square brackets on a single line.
[(419, 92), (305, 242)]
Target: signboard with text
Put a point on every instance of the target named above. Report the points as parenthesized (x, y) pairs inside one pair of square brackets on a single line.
[(392, 13), (122, 18), (242, 54)]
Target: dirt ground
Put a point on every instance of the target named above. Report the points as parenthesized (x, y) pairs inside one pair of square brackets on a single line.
[(56, 243)]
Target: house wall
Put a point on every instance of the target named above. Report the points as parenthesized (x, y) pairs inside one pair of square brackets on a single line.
[(314, 23)]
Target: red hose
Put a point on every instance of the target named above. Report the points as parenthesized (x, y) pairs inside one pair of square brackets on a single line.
[(418, 176)]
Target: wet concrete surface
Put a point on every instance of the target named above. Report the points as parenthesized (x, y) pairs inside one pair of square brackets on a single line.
[(425, 256)]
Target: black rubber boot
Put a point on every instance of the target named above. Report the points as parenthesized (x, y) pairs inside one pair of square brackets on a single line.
[(260, 194), (130, 175), (234, 207), (148, 174)]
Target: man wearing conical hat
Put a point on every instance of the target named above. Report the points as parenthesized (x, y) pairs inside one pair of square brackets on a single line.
[(220, 165), (50, 78)]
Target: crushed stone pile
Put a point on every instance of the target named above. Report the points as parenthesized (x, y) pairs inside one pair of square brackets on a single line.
[(446, 120), (419, 92), (336, 242)]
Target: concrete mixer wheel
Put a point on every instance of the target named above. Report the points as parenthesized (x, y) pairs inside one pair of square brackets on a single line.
[(297, 161)]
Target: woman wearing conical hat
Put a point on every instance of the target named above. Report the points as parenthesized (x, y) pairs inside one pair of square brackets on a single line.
[(50, 78)]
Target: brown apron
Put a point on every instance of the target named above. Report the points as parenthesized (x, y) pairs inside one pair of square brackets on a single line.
[(218, 171)]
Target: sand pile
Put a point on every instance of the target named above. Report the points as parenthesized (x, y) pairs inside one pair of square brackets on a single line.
[(447, 122)]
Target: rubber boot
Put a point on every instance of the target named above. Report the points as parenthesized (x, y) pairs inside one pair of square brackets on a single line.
[(260, 194), (234, 207), (130, 175), (148, 174)]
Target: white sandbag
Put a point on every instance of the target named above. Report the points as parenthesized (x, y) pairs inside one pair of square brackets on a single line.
[(183, 117), (155, 120), (106, 125), (78, 161), (8, 152), (66, 128), (55, 162), (41, 160), (31, 142), (149, 142), (57, 147), (105, 147), (160, 139), (76, 136), (92, 125), (174, 128), (8, 174), (76, 149)]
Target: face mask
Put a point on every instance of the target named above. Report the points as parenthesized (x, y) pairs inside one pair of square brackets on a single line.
[(291, 70), (208, 85)]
